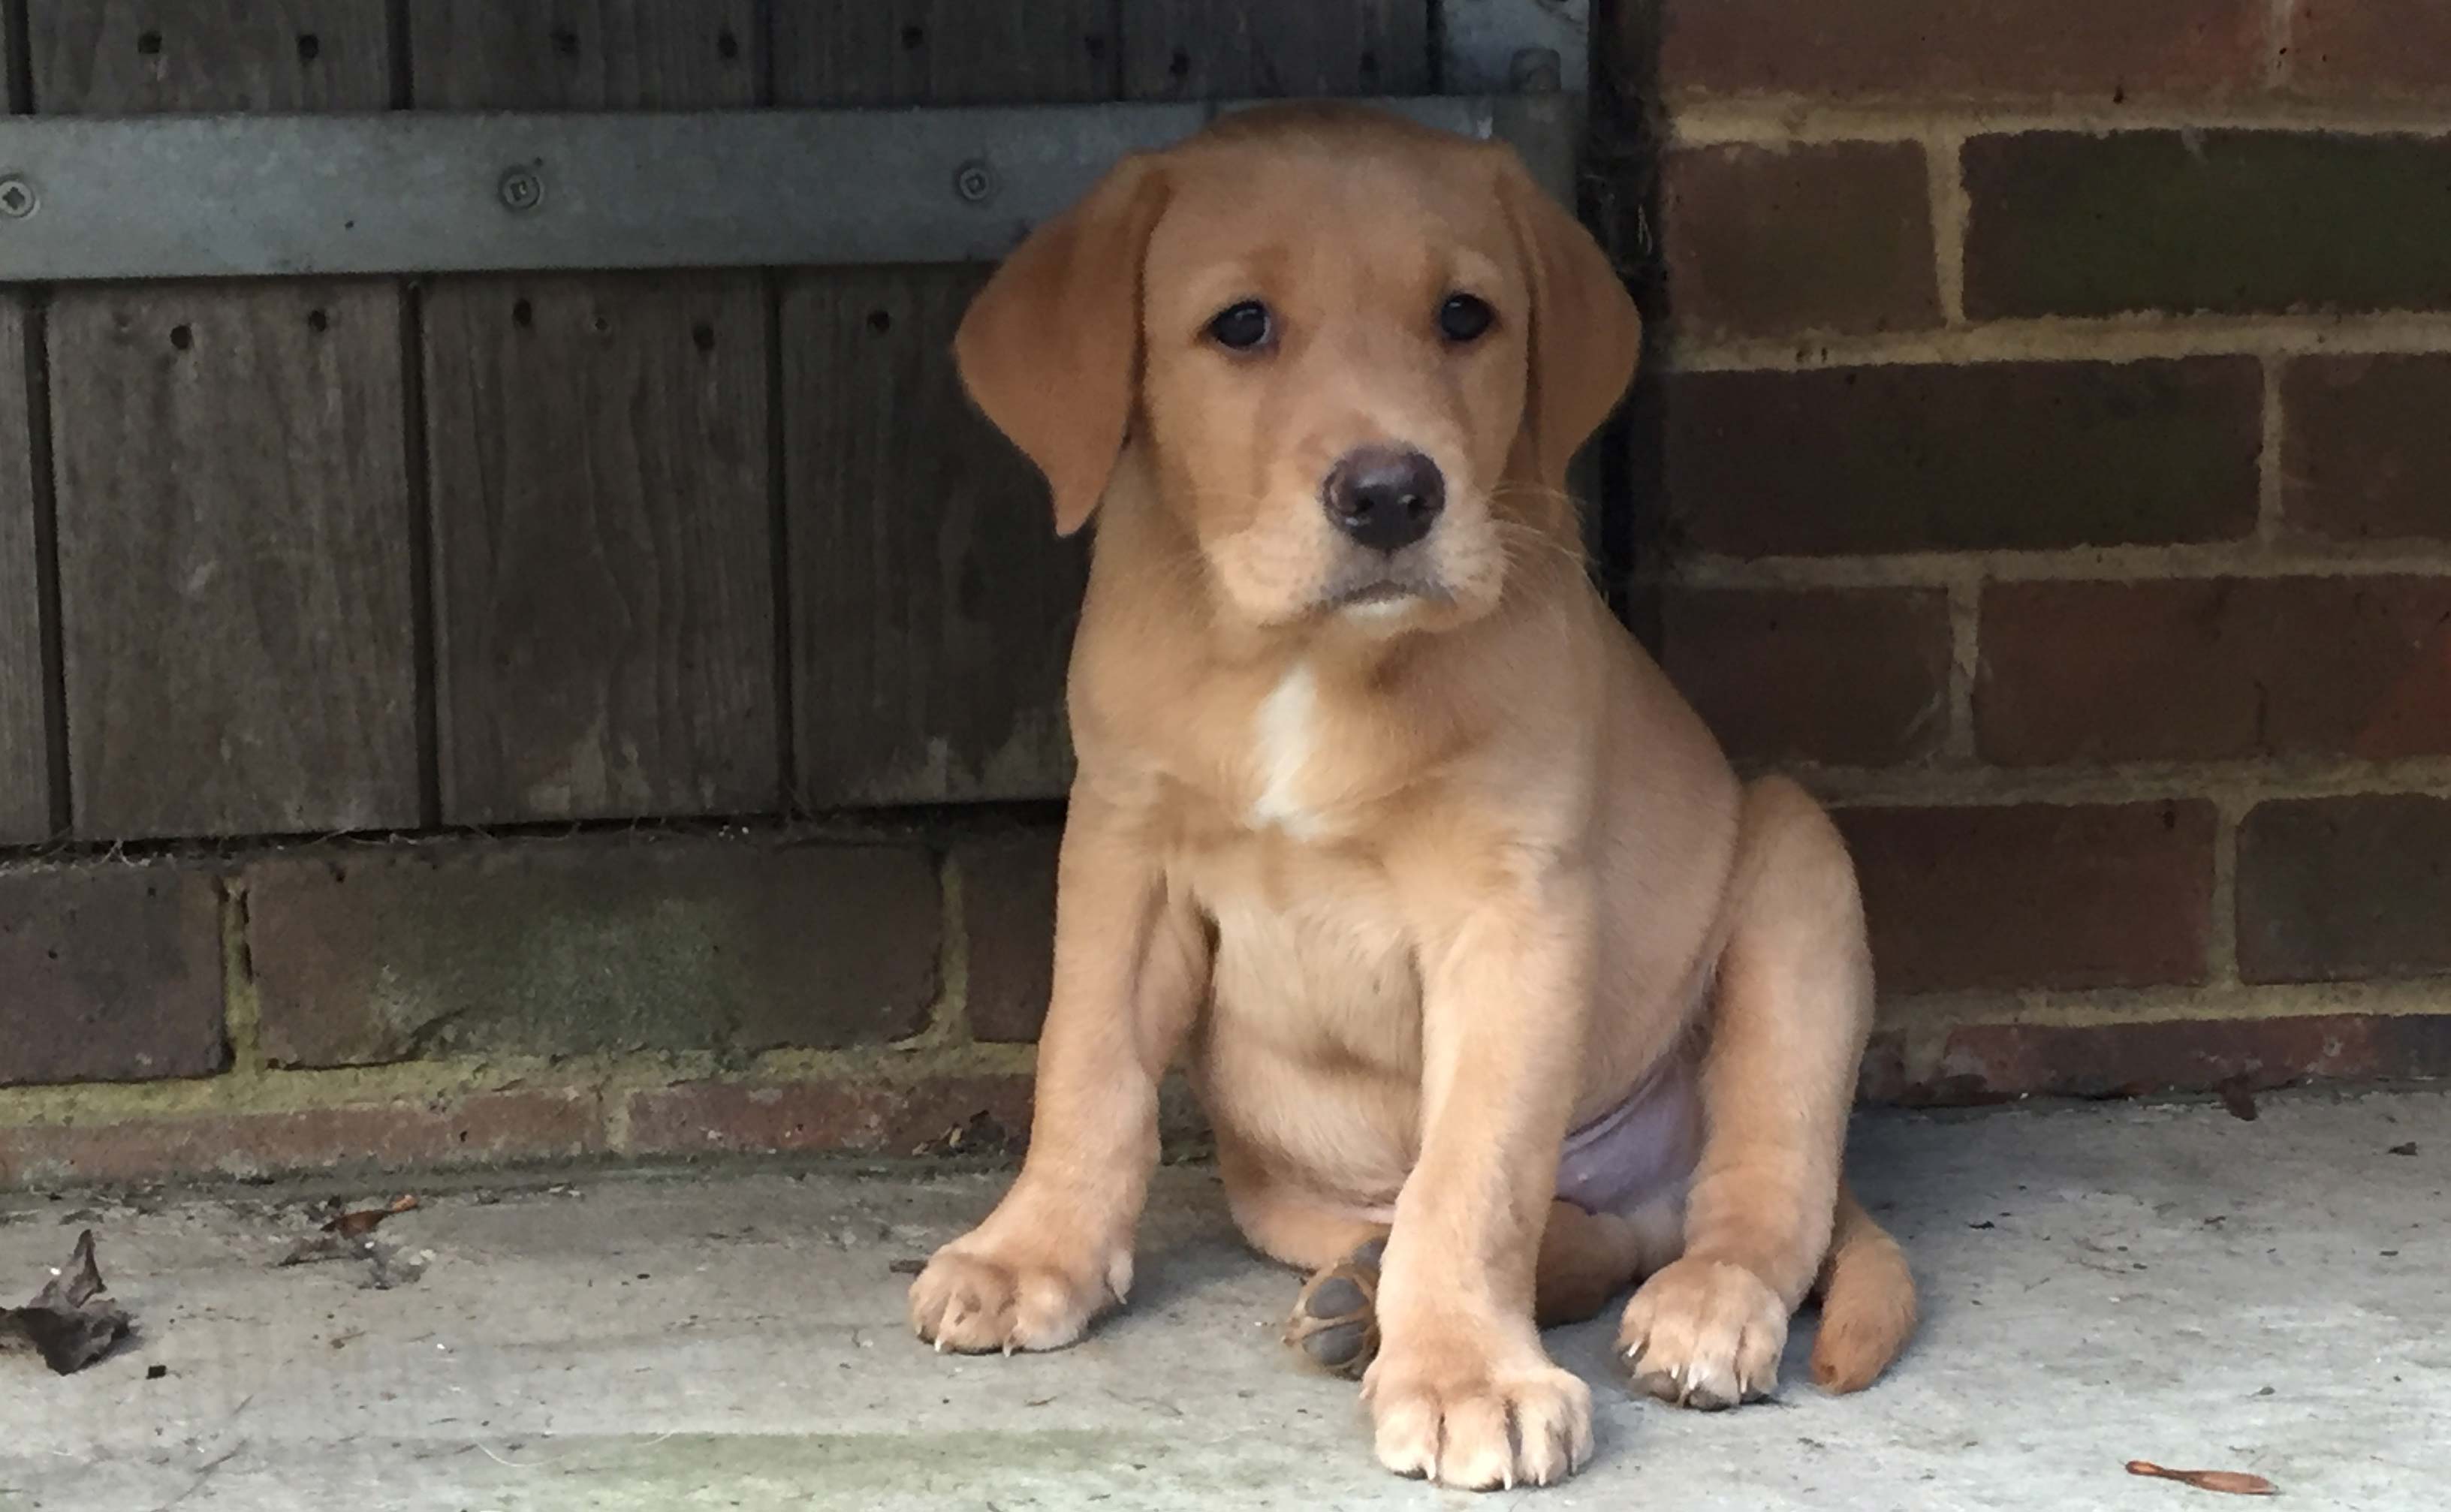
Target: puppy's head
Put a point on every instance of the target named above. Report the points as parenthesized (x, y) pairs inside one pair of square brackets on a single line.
[(1359, 352)]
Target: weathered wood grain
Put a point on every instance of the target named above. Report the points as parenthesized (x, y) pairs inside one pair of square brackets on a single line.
[(604, 612), (600, 462), (584, 54), (25, 766), (234, 562), (946, 52), (932, 603), (935, 606), (1215, 49), (131, 57), (234, 525)]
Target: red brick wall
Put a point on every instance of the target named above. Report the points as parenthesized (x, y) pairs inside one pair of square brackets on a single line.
[(675, 993), (2053, 441)]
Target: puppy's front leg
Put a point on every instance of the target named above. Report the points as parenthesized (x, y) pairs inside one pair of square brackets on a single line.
[(1462, 1391), (1131, 962)]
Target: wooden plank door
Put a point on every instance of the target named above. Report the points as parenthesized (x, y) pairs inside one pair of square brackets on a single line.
[(24, 765), (236, 569), (932, 602), (599, 461), (1225, 50)]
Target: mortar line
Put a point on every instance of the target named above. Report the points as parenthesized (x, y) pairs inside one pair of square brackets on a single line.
[(2239, 783), (2136, 337), (2220, 943), (2272, 459), (278, 1091), (951, 1022), (242, 1003), (1964, 660), (1802, 120), (2120, 1007), (612, 1117), (1950, 211), (2239, 558)]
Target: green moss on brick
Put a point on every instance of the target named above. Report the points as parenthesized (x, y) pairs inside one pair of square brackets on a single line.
[(592, 948)]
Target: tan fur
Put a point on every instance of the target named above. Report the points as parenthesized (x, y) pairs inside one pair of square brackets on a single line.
[(1418, 887)]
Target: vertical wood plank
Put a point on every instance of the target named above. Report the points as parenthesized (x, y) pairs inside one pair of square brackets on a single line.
[(234, 563), (234, 525), (604, 604), (932, 603), (1222, 50), (605, 618), (24, 768)]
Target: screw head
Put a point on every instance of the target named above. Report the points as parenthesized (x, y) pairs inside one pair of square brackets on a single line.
[(523, 188), (17, 196), (975, 182)]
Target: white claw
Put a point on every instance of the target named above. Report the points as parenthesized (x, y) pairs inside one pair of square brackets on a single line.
[(940, 1339)]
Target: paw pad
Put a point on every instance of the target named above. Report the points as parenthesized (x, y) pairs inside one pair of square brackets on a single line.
[(1335, 1322)]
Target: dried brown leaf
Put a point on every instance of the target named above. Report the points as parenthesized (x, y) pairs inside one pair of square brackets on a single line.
[(71, 1324), (367, 1220), (2235, 1482)]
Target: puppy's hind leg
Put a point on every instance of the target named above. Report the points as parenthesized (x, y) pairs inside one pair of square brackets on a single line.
[(1786, 1037), (1585, 1259)]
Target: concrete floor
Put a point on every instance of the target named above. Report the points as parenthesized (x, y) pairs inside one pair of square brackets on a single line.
[(2103, 1284)]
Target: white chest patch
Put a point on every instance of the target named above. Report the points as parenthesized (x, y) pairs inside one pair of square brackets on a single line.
[(1285, 734)]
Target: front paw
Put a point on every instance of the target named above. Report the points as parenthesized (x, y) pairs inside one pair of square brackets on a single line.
[(1704, 1333), (1478, 1418), (976, 1297)]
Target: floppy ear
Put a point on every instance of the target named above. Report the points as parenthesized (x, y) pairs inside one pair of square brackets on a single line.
[(1050, 349), (1585, 334)]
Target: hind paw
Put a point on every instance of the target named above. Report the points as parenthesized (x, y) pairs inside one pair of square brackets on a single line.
[(1335, 1322)]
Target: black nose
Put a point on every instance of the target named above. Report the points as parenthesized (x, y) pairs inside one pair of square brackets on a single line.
[(1386, 498)]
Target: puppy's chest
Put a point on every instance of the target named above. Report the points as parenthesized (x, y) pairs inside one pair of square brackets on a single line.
[(1310, 764), (1313, 956)]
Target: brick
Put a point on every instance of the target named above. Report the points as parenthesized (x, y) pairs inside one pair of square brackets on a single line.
[(2359, 49), (1845, 677), (110, 972), (2215, 668), (1825, 237), (1921, 49), (989, 1113), (1980, 1063), (1008, 911), (482, 1128), (2365, 453), (585, 948), (1935, 457), (2035, 895), (2225, 222), (2336, 890)]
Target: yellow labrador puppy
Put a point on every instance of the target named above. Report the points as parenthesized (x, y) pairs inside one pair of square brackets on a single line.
[(1500, 989)]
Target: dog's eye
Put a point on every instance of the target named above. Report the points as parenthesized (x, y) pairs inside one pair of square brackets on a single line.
[(1463, 318), (1241, 327)]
